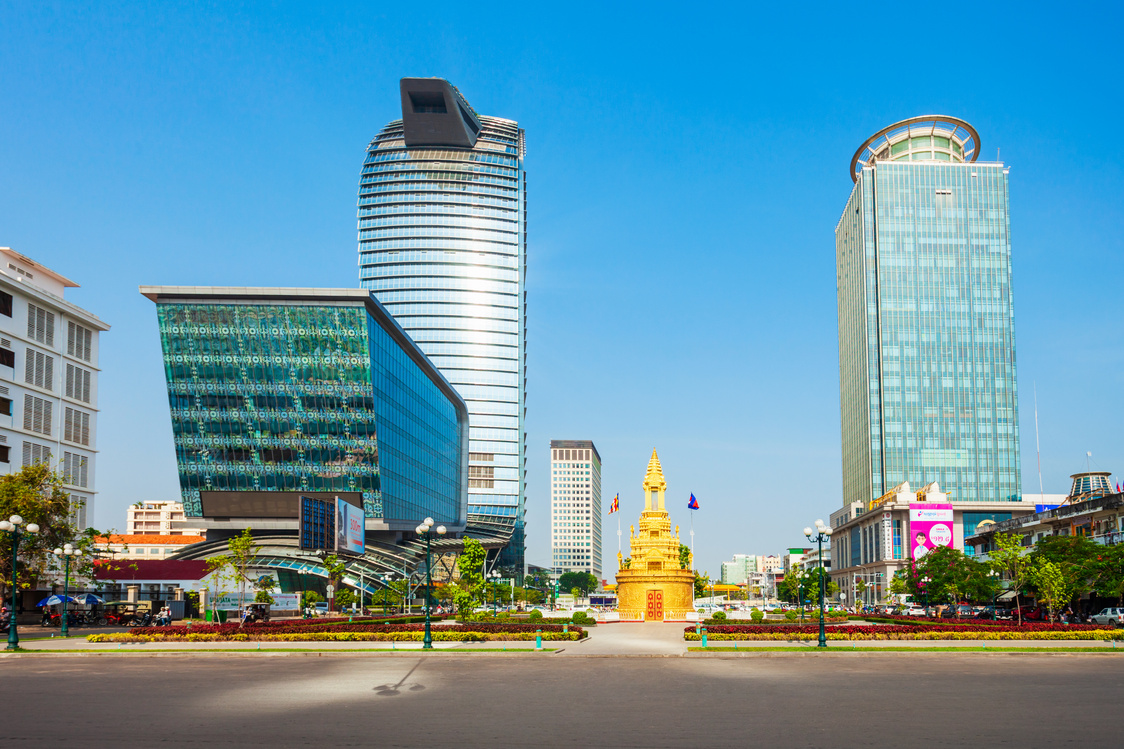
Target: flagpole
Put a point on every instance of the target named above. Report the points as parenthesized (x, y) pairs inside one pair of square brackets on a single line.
[(692, 514)]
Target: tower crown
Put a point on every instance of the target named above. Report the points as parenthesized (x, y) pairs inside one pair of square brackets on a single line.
[(653, 479)]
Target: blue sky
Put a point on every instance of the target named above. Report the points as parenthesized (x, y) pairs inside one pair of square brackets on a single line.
[(686, 169)]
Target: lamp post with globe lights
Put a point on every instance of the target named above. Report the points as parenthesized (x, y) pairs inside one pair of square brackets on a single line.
[(13, 526), (494, 576), (66, 552), (426, 531), (821, 534)]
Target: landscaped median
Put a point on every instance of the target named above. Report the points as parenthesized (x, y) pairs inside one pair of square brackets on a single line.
[(908, 632), (341, 632)]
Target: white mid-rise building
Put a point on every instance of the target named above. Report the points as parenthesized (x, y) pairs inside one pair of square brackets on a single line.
[(48, 378), (575, 507), (161, 518)]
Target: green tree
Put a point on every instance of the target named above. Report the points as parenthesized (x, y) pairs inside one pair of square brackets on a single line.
[(35, 493), (219, 576), (898, 585), (860, 589), (1076, 560), (1053, 587), (946, 575), (264, 586), (310, 597), (811, 580), (241, 552), (335, 567), (1009, 561), (684, 557), (344, 598), (787, 588), (583, 581), (1110, 580), (702, 584), (470, 586)]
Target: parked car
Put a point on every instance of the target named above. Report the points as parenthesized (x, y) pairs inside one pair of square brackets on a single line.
[(995, 613), (1034, 613), (915, 610), (1113, 616)]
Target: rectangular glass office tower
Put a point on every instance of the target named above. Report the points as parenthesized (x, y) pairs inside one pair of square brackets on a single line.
[(442, 244), (926, 324)]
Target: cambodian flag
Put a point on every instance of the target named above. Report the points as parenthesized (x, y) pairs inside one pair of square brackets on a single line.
[(692, 503)]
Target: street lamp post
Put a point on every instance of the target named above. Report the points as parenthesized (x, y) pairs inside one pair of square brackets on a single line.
[(426, 531), (822, 533), (66, 552), (494, 575), (800, 596), (12, 527)]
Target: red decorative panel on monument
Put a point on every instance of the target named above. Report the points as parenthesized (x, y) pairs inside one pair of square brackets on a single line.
[(654, 611)]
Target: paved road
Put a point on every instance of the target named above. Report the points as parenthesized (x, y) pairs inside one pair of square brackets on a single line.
[(535, 700)]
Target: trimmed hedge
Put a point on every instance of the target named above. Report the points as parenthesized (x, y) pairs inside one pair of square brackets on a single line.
[(751, 629), (439, 635), (299, 630), (832, 634)]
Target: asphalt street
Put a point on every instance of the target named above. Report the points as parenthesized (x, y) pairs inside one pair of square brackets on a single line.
[(917, 699)]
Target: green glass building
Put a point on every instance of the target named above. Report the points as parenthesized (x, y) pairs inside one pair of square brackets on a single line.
[(927, 381), (278, 393)]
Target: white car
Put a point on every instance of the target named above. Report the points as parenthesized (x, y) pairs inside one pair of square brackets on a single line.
[(1113, 616), (915, 611)]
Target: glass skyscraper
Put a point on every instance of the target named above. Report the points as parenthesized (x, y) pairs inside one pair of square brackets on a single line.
[(442, 244), (926, 324), (277, 393)]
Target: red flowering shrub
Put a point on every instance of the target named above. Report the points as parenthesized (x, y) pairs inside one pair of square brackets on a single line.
[(300, 626)]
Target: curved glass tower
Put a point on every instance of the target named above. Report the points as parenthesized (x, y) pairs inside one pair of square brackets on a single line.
[(926, 317), (442, 244)]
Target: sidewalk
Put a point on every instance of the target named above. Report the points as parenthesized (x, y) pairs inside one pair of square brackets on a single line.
[(629, 639)]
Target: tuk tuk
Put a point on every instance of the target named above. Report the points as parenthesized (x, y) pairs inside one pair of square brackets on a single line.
[(124, 613), (256, 612)]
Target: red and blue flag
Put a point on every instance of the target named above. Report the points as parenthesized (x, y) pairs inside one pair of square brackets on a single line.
[(692, 503)]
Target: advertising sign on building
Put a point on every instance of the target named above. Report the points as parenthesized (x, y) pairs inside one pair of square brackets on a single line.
[(281, 601), (887, 535), (930, 526), (350, 528)]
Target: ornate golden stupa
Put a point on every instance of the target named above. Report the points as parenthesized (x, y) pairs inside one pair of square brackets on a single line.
[(654, 586)]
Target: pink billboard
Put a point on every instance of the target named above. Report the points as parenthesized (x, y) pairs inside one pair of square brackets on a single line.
[(930, 526)]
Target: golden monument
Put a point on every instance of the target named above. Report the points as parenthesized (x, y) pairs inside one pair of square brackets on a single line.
[(654, 586)]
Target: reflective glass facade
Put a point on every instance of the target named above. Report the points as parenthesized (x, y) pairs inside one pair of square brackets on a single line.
[(926, 331), (442, 244), (305, 396)]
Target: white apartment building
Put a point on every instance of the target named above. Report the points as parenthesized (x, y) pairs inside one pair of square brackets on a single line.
[(158, 518), (48, 378), (575, 507)]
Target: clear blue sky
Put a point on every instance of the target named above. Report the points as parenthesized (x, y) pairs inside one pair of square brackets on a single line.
[(686, 169)]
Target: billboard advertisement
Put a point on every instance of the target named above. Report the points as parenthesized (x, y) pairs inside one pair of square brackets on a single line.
[(350, 528), (930, 526), (281, 601)]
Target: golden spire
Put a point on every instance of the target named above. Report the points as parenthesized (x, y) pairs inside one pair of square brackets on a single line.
[(654, 478)]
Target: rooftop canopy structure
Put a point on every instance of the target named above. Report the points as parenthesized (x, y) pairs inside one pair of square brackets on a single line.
[(929, 137)]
